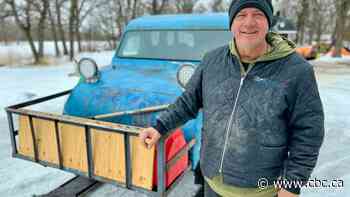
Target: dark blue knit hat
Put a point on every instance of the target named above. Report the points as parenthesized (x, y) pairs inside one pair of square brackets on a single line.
[(263, 5)]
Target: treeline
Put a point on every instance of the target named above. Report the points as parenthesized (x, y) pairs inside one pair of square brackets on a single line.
[(66, 22), (316, 19)]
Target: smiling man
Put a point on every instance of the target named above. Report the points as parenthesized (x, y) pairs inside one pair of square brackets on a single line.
[(262, 115)]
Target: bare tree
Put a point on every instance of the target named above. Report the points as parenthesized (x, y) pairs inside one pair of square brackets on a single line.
[(79, 19), (184, 6), (58, 8), (54, 31), (218, 6), (42, 7), (127, 10), (157, 6), (325, 10), (72, 25), (302, 16), (342, 7), (210, 6), (4, 14), (106, 24), (310, 21), (200, 7), (3, 34), (120, 12), (26, 13), (317, 10), (84, 9)]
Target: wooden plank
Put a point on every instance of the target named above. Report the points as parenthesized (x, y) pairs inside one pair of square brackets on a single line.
[(73, 146), (46, 140), (25, 145), (142, 160), (108, 155), (78, 120)]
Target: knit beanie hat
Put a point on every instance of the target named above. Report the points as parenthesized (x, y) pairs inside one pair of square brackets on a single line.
[(263, 5)]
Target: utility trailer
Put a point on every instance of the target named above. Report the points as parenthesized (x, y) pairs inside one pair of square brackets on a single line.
[(99, 150)]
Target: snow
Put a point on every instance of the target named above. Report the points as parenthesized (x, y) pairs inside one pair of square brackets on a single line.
[(21, 83), (329, 59), (334, 160), (19, 53)]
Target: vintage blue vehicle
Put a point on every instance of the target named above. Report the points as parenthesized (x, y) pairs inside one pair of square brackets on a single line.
[(155, 55)]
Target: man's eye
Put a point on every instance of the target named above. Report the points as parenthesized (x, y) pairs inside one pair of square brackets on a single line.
[(259, 14), (241, 15)]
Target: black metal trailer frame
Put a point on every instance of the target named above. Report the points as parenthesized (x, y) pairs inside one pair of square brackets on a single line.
[(126, 130)]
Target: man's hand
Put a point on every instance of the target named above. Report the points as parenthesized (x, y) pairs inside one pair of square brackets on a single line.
[(284, 193), (149, 136)]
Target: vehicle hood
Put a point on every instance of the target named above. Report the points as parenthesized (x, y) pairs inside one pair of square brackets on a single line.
[(127, 84)]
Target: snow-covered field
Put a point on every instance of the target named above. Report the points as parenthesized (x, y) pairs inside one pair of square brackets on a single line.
[(19, 53), (23, 178)]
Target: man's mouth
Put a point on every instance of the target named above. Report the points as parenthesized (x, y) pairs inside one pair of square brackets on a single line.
[(249, 33)]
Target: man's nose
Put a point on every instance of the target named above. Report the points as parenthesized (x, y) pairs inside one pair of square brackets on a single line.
[(249, 21)]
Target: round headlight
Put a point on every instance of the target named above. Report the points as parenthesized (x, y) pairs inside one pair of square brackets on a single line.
[(185, 73), (88, 69)]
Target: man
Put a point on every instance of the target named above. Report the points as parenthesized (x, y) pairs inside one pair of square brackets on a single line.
[(262, 113)]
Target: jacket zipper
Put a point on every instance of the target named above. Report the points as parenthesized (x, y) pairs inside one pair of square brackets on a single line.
[(232, 114)]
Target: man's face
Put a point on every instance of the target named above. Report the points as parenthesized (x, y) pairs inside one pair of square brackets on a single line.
[(250, 27)]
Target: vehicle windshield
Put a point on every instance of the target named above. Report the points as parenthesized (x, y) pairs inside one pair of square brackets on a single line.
[(172, 44)]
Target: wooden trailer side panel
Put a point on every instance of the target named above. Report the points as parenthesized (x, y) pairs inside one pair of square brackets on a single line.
[(108, 155), (142, 160), (45, 139), (25, 145), (73, 147), (109, 158)]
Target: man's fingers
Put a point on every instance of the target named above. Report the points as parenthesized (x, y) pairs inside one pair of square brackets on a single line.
[(149, 137), (142, 133), (151, 141), (148, 141), (143, 136), (154, 139)]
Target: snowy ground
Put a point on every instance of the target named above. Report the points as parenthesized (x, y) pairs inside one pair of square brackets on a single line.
[(21, 83), (334, 160), (15, 53), (23, 178)]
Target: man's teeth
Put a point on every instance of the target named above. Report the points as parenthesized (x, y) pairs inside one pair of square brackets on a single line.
[(250, 33)]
